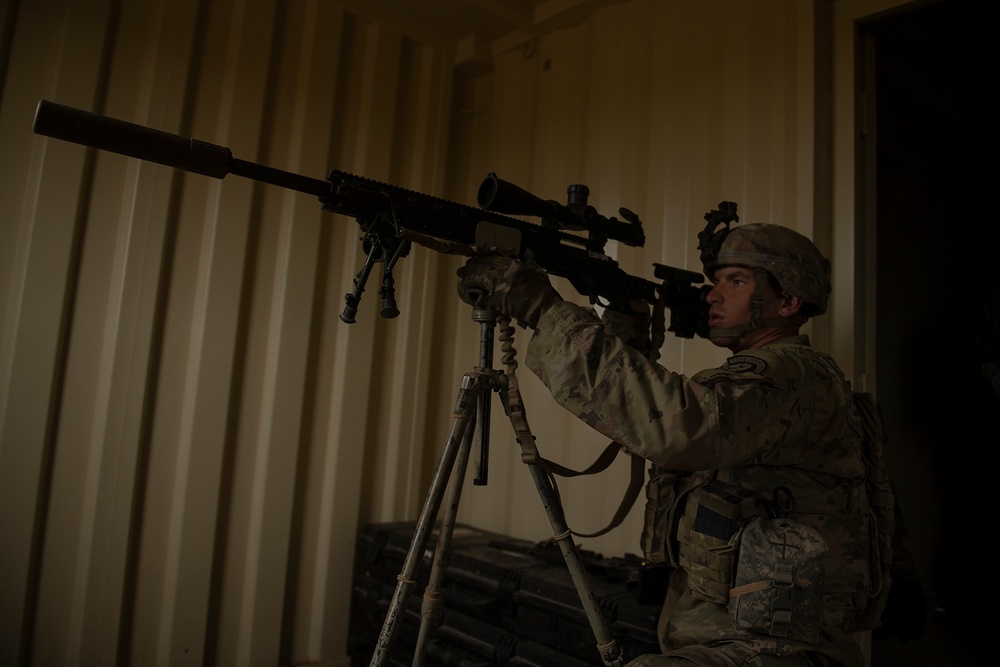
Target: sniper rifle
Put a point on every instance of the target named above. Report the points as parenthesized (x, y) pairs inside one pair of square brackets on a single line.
[(391, 218)]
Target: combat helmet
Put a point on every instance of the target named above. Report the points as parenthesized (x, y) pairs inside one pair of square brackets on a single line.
[(794, 261)]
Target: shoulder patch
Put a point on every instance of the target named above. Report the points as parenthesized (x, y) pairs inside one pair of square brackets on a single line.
[(746, 364)]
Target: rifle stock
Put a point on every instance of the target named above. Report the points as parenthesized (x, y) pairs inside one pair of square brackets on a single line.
[(392, 217)]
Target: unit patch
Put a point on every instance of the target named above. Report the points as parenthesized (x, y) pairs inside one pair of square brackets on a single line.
[(745, 364)]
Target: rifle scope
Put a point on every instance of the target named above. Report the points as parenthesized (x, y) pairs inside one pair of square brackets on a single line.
[(500, 196)]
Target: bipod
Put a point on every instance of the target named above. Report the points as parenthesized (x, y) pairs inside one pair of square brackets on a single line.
[(451, 470)]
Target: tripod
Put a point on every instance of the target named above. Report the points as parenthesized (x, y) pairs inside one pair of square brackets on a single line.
[(473, 398)]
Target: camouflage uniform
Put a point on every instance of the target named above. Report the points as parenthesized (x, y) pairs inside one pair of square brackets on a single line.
[(777, 416)]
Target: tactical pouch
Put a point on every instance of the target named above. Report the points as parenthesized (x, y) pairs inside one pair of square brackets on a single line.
[(778, 589), (665, 492), (709, 534)]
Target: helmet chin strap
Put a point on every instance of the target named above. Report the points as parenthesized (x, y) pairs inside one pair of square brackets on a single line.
[(733, 334)]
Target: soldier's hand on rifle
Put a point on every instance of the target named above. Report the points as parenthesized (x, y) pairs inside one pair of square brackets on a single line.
[(632, 323), (508, 286)]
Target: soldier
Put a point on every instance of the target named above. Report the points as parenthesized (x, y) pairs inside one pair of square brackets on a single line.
[(759, 494)]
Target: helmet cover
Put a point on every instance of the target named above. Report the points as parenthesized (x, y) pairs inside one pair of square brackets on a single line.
[(795, 262)]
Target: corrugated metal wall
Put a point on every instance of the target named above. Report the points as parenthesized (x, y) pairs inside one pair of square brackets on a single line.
[(190, 439)]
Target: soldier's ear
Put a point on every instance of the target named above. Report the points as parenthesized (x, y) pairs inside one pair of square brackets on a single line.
[(789, 305)]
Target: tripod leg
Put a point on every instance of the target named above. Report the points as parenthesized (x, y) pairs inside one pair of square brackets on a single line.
[(464, 410), (606, 645), (431, 609)]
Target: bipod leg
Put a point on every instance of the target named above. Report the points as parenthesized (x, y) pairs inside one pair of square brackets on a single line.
[(606, 644), (465, 408)]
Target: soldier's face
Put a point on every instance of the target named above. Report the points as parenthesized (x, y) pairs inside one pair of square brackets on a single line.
[(730, 301), (730, 297)]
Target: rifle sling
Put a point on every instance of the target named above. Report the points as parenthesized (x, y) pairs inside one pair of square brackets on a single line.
[(531, 456)]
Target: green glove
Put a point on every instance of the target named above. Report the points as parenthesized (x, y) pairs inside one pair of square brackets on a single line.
[(508, 286)]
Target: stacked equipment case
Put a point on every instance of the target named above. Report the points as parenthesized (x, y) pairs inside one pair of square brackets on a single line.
[(506, 602)]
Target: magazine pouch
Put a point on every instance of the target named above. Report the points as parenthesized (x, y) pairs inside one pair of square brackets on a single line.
[(709, 533)]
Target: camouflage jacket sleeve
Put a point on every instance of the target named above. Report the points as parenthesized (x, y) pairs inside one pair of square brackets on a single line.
[(738, 413)]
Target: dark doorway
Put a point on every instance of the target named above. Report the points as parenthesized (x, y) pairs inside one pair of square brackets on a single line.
[(937, 323)]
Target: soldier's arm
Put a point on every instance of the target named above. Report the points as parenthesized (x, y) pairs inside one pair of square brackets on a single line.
[(662, 416)]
